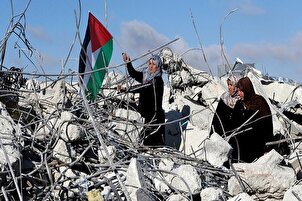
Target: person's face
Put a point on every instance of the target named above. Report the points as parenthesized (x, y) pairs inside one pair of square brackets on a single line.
[(231, 87), (241, 94), (152, 66)]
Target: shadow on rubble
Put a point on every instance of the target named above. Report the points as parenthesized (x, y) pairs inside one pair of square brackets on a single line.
[(176, 124)]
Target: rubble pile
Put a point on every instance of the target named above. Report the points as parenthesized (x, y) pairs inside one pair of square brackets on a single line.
[(57, 146)]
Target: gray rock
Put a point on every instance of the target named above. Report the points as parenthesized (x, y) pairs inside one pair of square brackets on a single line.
[(187, 179), (266, 177), (212, 194)]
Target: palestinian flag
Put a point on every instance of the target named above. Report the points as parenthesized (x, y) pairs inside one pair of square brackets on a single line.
[(95, 56)]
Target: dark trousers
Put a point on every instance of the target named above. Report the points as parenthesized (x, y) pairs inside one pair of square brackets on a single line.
[(154, 135)]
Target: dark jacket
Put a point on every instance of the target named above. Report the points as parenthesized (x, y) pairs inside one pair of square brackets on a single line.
[(252, 142), (151, 94), (223, 120), (150, 106)]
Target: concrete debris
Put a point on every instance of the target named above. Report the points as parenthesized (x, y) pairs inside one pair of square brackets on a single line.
[(266, 178), (212, 194), (293, 193), (177, 197), (241, 196), (135, 176), (70, 131), (63, 157), (63, 151), (136, 184), (185, 178), (9, 146), (216, 157), (56, 145), (102, 155)]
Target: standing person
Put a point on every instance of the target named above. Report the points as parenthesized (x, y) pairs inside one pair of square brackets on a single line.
[(223, 120), (259, 129), (150, 89)]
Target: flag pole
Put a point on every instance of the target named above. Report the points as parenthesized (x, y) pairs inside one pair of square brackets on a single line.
[(103, 145), (106, 16)]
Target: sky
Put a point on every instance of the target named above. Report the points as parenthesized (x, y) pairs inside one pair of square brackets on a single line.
[(267, 33)]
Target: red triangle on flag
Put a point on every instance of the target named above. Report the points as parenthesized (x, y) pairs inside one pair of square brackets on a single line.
[(99, 35)]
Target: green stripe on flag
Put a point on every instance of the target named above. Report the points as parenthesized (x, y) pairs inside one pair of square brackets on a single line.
[(96, 79)]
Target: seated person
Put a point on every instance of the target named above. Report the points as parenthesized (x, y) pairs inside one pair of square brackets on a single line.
[(222, 122), (258, 130)]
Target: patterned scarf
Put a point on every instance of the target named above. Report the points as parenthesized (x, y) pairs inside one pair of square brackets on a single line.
[(231, 99), (150, 76)]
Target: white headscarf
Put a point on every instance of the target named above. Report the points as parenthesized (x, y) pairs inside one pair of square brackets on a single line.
[(150, 76), (231, 99)]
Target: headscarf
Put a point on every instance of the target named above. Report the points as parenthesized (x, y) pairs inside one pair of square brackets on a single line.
[(231, 99), (150, 76), (245, 85), (251, 100), (233, 79)]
